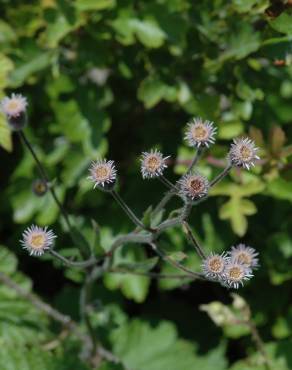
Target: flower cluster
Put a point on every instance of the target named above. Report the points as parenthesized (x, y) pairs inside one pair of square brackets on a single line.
[(233, 268)]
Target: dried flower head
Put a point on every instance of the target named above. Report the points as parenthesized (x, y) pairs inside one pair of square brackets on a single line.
[(15, 110), (243, 153), (244, 255), (103, 174), (214, 265), (194, 186), (37, 240), (39, 187), (200, 133), (235, 274), (153, 164)]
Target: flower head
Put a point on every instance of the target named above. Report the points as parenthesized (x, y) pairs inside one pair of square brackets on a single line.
[(243, 153), (39, 187), (244, 255), (200, 133), (13, 106), (15, 110), (103, 174), (214, 265), (235, 274), (194, 186), (37, 240), (153, 164)]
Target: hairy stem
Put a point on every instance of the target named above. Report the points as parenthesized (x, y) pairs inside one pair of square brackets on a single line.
[(45, 177), (221, 175), (167, 183), (85, 297), (177, 220), (197, 156), (150, 274), (66, 261), (127, 210), (174, 263), (192, 239)]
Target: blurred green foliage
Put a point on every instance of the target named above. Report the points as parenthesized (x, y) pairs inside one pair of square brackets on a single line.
[(114, 78)]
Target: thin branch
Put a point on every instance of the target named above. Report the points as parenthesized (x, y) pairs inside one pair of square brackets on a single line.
[(50, 311), (85, 297), (221, 175), (167, 183), (192, 239), (45, 177), (66, 261), (177, 220), (65, 320), (197, 156), (174, 263), (127, 210), (152, 275)]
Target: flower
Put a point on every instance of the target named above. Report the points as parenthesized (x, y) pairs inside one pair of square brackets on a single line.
[(244, 255), (214, 265), (14, 106), (200, 133), (235, 274), (194, 186), (39, 187), (15, 110), (103, 174), (153, 164), (37, 240), (243, 153)]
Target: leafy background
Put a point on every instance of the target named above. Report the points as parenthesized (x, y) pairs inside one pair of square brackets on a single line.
[(114, 78)]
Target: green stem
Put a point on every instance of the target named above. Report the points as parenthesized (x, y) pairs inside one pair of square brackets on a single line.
[(192, 239), (45, 177), (221, 175), (81, 264), (174, 263), (127, 210)]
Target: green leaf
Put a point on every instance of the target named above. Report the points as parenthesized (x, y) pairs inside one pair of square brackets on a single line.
[(94, 5), (283, 23), (5, 134), (38, 63), (132, 286), (280, 189), (235, 210), (142, 347)]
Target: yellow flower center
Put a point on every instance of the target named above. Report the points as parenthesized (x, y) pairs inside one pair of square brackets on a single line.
[(216, 264), (13, 105), (37, 241), (235, 273), (244, 258), (102, 173), (153, 163), (200, 132), (245, 153)]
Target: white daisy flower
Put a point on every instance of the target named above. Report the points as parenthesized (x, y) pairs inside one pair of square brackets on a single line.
[(153, 164), (103, 173), (200, 133), (243, 153), (244, 255), (36, 240)]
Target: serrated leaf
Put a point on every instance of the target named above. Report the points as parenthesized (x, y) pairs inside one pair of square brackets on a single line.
[(283, 23)]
